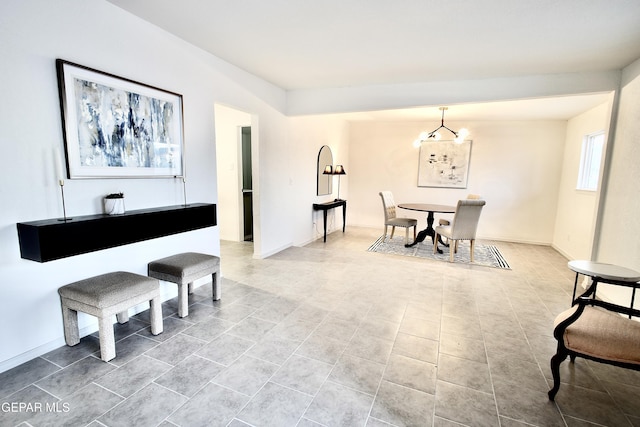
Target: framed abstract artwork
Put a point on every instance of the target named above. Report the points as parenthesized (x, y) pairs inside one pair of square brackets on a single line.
[(444, 164), (118, 128)]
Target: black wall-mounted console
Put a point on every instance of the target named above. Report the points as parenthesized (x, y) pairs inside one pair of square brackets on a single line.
[(52, 239)]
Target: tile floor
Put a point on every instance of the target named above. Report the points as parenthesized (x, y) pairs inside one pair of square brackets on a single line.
[(332, 335)]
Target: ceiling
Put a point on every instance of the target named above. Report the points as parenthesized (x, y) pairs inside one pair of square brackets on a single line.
[(316, 44)]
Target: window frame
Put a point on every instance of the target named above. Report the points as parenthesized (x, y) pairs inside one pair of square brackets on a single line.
[(593, 144)]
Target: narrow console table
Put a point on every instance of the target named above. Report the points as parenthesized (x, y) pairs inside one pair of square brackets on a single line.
[(52, 239), (324, 207)]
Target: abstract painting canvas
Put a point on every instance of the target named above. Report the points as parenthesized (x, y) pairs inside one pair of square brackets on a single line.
[(444, 164), (115, 127)]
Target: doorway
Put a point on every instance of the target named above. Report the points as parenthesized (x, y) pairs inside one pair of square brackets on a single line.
[(238, 209), (247, 184)]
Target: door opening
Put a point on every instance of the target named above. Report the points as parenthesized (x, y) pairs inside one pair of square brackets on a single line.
[(247, 185)]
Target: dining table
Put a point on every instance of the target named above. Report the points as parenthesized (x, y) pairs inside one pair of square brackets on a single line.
[(430, 209)]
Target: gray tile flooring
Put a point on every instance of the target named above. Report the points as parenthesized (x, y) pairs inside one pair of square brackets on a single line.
[(332, 335)]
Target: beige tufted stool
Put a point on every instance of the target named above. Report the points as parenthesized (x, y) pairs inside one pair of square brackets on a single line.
[(183, 269), (103, 296)]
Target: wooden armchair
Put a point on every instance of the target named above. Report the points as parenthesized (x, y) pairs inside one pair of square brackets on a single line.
[(596, 330)]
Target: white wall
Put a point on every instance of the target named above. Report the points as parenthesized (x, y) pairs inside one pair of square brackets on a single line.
[(97, 34), (619, 231), (575, 218), (515, 166)]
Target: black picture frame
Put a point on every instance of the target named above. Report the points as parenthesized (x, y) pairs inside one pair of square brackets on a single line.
[(114, 127)]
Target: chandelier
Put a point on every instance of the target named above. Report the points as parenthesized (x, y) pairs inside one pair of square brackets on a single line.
[(435, 135)]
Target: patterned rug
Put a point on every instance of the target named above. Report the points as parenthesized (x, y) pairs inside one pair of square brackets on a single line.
[(486, 255)]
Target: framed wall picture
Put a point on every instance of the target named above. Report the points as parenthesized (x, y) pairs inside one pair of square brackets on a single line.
[(118, 128), (444, 164)]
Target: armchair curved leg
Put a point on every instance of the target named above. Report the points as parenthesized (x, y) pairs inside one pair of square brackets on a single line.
[(556, 360)]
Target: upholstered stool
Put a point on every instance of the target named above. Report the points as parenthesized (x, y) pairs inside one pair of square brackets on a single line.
[(183, 269), (103, 296)]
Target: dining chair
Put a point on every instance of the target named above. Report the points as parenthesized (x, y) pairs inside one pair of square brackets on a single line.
[(444, 221), (390, 218), (463, 226)]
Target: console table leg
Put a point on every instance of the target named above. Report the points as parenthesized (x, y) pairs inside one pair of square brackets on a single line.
[(324, 223), (344, 216)]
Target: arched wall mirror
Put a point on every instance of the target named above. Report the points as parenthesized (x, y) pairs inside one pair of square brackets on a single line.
[(325, 182)]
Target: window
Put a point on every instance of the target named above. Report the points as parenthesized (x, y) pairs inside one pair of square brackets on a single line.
[(590, 160)]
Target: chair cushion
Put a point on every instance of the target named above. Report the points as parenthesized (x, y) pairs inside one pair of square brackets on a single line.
[(402, 222), (603, 334), (109, 289), (444, 230), (176, 268)]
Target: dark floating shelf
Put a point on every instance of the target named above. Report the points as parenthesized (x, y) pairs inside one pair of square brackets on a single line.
[(52, 239)]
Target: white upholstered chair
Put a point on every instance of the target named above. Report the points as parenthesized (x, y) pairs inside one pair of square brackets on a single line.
[(463, 226), (390, 218), (444, 221)]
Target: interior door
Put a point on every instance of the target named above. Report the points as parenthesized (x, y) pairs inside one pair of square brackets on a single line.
[(247, 185)]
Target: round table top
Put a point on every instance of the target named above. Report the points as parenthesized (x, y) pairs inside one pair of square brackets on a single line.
[(605, 271), (427, 207)]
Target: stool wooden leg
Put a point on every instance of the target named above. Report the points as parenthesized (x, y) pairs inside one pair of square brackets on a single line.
[(70, 325), (473, 243), (107, 339), (156, 315), (215, 286), (123, 317), (183, 300)]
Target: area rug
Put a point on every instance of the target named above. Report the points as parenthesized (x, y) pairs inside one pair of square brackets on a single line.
[(485, 255)]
